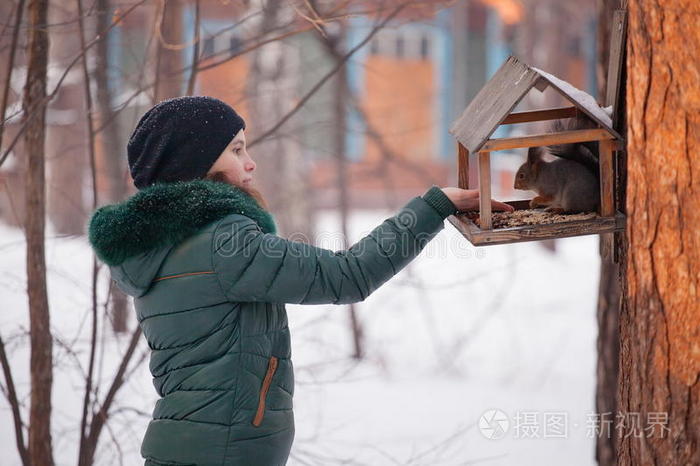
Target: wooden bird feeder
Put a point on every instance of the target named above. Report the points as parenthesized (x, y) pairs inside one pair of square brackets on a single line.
[(492, 107)]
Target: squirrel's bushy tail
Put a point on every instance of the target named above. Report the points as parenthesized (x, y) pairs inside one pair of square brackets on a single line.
[(585, 153)]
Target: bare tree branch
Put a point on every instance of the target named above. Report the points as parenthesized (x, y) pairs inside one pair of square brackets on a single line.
[(41, 358), (39, 104), (244, 51), (195, 51), (115, 442), (14, 404), (10, 66), (388, 154), (100, 418), (93, 176), (340, 63)]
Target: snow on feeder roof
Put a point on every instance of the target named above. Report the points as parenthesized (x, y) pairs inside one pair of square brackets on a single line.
[(502, 93), (492, 107)]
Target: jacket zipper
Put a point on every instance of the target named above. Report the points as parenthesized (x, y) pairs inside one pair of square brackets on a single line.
[(271, 368)]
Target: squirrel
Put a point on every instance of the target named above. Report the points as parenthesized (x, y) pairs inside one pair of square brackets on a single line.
[(570, 183)]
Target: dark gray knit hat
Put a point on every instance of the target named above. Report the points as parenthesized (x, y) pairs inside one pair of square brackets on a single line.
[(180, 139)]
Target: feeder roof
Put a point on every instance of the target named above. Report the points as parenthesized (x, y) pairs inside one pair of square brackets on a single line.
[(497, 99)]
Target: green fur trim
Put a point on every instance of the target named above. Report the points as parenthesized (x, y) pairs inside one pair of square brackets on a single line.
[(167, 213)]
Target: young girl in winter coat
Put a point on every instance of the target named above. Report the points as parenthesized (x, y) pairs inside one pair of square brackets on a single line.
[(198, 252)]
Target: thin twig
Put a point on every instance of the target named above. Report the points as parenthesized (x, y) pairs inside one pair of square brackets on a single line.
[(281, 36), (29, 112), (14, 405), (10, 66), (340, 63), (211, 65), (195, 51), (387, 153), (100, 418), (115, 441), (93, 176)]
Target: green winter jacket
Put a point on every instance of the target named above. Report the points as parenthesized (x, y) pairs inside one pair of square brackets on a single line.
[(210, 280)]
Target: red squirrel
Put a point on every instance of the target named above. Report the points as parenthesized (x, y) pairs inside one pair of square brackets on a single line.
[(568, 184)]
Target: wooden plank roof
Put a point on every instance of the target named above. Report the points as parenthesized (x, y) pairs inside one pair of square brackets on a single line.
[(502, 93)]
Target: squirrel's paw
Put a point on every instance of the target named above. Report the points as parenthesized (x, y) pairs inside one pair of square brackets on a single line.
[(554, 210), (539, 201)]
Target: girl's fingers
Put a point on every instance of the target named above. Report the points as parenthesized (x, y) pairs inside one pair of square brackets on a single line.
[(496, 205)]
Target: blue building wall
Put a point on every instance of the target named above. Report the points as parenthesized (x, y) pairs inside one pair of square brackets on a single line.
[(444, 72), (358, 28), (497, 52)]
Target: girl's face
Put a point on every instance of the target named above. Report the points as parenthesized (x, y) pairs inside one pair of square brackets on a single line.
[(234, 163)]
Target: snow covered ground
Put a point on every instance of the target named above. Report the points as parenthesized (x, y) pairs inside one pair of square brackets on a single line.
[(507, 332)]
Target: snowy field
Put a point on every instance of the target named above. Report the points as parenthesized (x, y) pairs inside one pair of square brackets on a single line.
[(504, 331)]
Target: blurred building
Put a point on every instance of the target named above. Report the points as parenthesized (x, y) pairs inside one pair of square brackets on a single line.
[(404, 90)]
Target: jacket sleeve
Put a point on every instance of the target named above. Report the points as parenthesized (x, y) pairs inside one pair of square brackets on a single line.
[(256, 266)]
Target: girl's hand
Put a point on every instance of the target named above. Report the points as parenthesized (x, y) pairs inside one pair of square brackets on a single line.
[(468, 199)]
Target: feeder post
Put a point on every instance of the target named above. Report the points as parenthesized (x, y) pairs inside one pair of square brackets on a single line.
[(485, 190), (462, 166), (607, 200), (607, 193)]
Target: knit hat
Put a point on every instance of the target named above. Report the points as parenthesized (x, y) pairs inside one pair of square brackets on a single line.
[(180, 139)]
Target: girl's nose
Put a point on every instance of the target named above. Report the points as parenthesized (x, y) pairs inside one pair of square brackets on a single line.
[(250, 166)]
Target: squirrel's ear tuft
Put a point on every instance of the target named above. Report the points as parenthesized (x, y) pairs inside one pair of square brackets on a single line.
[(534, 160), (534, 155)]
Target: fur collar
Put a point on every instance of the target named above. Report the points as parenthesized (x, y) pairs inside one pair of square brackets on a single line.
[(167, 213)]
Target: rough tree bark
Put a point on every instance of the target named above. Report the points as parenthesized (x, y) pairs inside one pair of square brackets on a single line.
[(608, 309), (660, 315), (608, 348), (34, 113)]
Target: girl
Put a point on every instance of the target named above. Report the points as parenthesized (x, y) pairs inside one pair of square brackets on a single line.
[(197, 250)]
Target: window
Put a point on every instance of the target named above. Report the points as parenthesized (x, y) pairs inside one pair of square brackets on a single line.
[(208, 48), (424, 48), (400, 46), (235, 45), (574, 46), (374, 47)]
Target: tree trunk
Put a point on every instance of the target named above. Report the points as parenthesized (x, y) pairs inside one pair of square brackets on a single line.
[(66, 151), (169, 32), (113, 161), (272, 84), (608, 348), (34, 113), (660, 315), (113, 166), (608, 309), (606, 9), (334, 45)]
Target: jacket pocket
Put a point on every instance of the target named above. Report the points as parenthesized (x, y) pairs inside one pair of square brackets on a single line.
[(260, 412)]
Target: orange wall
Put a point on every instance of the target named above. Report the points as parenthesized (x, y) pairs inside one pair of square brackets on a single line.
[(399, 102), (226, 82)]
